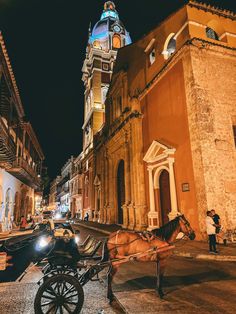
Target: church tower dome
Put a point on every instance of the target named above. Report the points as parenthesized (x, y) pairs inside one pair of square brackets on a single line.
[(105, 39), (109, 32)]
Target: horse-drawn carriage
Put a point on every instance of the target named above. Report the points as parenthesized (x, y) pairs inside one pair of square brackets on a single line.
[(66, 268)]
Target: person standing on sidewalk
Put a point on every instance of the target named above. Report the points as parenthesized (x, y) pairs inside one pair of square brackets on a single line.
[(211, 232), (220, 235)]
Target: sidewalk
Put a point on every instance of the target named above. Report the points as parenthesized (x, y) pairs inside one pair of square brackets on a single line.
[(13, 233), (184, 248)]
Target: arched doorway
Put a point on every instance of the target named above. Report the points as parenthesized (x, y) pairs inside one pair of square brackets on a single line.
[(165, 200), (17, 207), (26, 206), (30, 209), (8, 203), (120, 190)]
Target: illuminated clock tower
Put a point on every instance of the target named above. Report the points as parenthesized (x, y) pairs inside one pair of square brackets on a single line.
[(106, 37)]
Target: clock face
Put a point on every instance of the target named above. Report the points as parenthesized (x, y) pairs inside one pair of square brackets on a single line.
[(117, 29)]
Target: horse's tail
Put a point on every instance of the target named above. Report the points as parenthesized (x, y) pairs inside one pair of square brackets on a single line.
[(105, 252)]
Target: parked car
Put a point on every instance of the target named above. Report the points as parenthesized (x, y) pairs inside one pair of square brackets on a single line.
[(47, 214)]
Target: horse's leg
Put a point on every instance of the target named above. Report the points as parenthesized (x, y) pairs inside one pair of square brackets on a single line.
[(111, 273), (160, 275)]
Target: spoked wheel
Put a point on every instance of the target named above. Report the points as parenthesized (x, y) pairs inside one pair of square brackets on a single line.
[(60, 294), (53, 271)]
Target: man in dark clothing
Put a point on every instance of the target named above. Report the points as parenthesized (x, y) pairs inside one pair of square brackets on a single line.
[(216, 219), (220, 234), (211, 232)]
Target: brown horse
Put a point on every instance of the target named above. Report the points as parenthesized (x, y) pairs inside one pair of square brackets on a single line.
[(155, 248)]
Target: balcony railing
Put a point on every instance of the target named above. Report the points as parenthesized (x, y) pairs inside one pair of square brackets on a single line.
[(23, 171), (7, 146), (76, 192)]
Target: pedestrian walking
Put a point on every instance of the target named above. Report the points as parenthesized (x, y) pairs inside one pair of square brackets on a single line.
[(211, 232), (86, 217), (23, 223)]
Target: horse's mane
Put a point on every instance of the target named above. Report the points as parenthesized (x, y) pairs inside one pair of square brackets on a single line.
[(166, 231)]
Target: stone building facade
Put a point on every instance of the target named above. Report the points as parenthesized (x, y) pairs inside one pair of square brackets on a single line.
[(21, 156), (167, 143)]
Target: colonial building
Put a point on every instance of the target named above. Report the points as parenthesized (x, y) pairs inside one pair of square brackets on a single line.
[(63, 187), (168, 142), (53, 204), (106, 37), (20, 153), (76, 188)]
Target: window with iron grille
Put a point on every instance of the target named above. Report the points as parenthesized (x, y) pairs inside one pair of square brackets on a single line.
[(211, 33)]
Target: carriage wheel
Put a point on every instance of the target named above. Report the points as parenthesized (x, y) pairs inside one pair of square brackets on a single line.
[(53, 271), (60, 294)]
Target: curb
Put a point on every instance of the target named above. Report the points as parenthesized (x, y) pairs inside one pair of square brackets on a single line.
[(217, 258), (120, 304), (93, 228)]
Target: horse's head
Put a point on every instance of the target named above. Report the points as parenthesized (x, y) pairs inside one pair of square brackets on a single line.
[(186, 228)]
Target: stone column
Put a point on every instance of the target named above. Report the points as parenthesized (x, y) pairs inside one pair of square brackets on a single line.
[(174, 206), (127, 186), (153, 217), (139, 211), (95, 207)]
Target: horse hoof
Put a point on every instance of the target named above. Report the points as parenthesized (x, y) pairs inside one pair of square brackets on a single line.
[(161, 294), (110, 298)]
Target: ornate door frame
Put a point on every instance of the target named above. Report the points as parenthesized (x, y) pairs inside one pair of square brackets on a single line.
[(159, 157)]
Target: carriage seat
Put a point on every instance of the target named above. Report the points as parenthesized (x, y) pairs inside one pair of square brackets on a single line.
[(90, 248)]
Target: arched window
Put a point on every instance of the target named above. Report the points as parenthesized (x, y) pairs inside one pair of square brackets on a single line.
[(170, 46), (104, 94), (211, 33), (116, 41)]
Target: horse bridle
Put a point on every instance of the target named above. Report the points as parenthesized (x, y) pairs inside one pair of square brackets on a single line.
[(187, 225)]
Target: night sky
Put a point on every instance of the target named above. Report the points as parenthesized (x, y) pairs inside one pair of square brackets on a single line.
[(46, 41)]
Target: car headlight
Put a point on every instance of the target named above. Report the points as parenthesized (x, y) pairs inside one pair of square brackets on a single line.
[(58, 216), (42, 243), (77, 239)]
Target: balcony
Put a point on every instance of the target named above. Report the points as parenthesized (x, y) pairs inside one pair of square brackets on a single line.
[(22, 171), (77, 193), (7, 147)]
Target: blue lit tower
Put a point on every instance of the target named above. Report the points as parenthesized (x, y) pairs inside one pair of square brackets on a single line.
[(107, 36)]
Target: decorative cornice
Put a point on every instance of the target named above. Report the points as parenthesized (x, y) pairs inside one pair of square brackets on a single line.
[(173, 58), (34, 139), (201, 5), (13, 80)]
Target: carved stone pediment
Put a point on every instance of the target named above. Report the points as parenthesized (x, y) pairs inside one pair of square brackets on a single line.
[(158, 151)]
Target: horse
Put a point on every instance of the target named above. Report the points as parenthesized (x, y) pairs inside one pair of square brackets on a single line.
[(157, 248)]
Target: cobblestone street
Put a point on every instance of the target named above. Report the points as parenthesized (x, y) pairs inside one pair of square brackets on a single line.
[(18, 298)]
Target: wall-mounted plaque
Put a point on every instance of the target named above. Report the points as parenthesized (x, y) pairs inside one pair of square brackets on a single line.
[(185, 187)]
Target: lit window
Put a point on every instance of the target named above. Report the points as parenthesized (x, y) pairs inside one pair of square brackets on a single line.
[(104, 94), (116, 41), (152, 56), (211, 33), (170, 46)]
